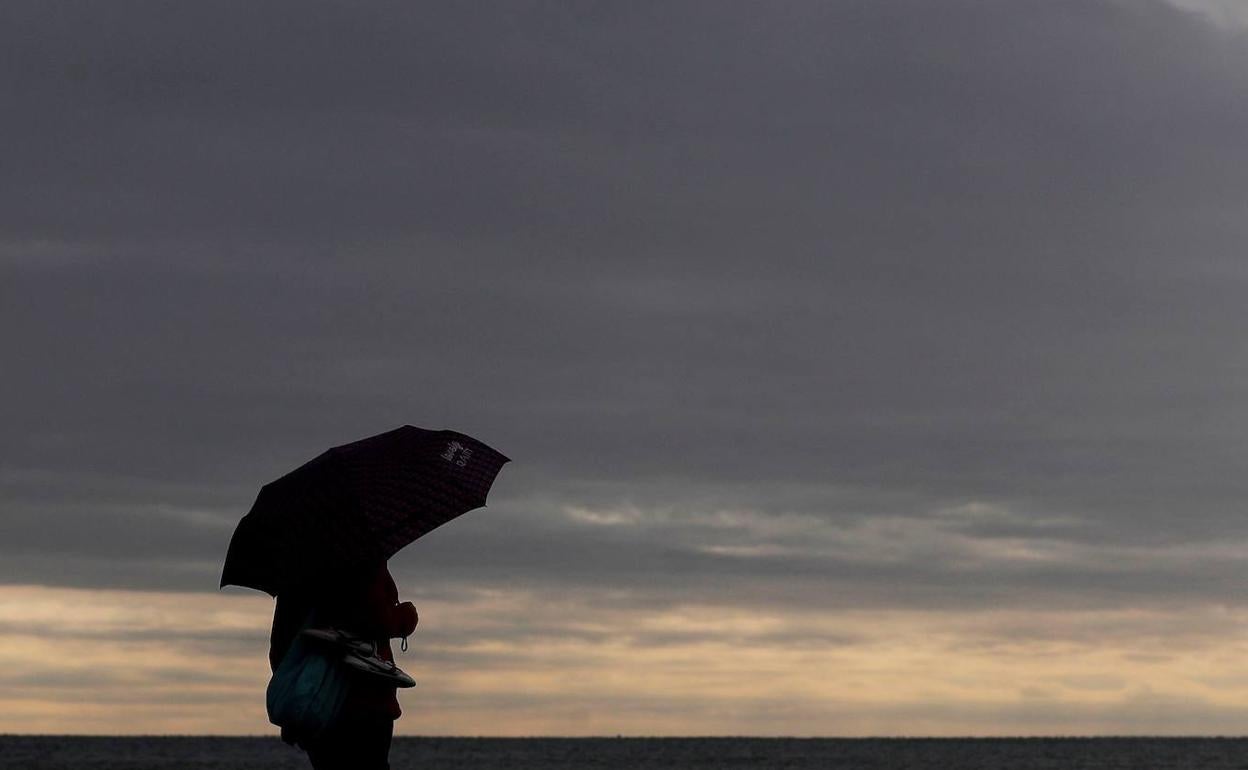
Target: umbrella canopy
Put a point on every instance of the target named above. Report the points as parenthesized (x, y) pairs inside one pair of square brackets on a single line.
[(356, 505)]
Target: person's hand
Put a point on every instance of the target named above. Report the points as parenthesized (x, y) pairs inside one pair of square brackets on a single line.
[(407, 618)]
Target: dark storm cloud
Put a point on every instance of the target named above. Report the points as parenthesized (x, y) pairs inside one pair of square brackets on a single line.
[(849, 261)]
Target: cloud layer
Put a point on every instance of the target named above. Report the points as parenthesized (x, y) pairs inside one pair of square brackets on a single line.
[(515, 662), (849, 307)]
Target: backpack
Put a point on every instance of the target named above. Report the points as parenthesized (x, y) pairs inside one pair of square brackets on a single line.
[(308, 688)]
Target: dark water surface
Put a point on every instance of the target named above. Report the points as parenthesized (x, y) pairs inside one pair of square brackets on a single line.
[(198, 753)]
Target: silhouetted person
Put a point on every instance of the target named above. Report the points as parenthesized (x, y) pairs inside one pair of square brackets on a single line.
[(368, 605)]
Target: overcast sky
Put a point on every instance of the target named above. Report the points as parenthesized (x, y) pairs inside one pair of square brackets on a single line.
[(828, 340)]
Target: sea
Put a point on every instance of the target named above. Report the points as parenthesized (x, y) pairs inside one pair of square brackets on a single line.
[(234, 753)]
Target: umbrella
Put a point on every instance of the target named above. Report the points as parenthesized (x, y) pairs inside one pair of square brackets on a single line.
[(356, 505)]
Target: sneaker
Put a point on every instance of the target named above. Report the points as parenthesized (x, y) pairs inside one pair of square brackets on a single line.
[(374, 666), (344, 639)]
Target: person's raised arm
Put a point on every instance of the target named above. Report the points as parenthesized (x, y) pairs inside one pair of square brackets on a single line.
[(371, 607)]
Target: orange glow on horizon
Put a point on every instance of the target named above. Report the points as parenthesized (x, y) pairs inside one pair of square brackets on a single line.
[(508, 663)]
